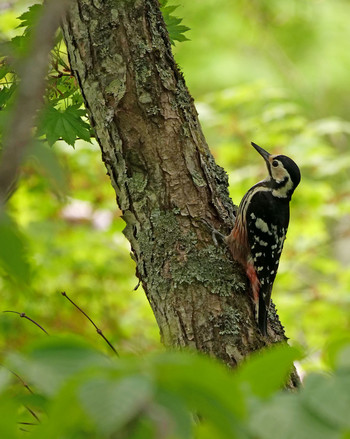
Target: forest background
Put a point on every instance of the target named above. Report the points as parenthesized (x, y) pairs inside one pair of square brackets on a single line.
[(271, 72)]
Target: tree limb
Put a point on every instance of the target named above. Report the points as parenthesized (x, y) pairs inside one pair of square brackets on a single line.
[(29, 95)]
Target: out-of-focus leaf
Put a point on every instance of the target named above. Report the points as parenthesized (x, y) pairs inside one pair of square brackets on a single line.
[(343, 358), (285, 417), (144, 428), (53, 361), (112, 404), (176, 413), (4, 70), (13, 251), (182, 395), (66, 124), (21, 43), (5, 376), (47, 162), (183, 367), (74, 424), (9, 417), (337, 353), (206, 388), (267, 371), (329, 398), (5, 94)]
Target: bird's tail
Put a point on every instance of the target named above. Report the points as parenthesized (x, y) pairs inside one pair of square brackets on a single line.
[(262, 316)]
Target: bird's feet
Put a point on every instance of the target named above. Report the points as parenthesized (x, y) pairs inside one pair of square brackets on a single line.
[(215, 234)]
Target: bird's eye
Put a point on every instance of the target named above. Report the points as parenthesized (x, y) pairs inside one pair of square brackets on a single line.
[(275, 163)]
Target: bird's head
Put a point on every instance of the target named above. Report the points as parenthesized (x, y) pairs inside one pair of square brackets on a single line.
[(284, 174)]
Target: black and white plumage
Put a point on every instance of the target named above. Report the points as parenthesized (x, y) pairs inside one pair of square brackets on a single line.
[(257, 238)]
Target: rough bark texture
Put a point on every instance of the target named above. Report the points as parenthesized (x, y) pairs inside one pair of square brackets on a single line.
[(164, 176)]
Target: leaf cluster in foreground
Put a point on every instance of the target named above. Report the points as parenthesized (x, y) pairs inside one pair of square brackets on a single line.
[(75, 391)]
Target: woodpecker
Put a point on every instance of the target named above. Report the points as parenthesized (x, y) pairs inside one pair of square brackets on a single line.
[(257, 238)]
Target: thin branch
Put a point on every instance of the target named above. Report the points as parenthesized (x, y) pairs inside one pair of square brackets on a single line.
[(19, 379), (27, 423), (98, 330), (23, 315), (35, 416), (33, 413), (60, 74)]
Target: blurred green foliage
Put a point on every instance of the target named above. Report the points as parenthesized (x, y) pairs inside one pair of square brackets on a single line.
[(268, 71), (273, 72), (76, 245), (63, 387)]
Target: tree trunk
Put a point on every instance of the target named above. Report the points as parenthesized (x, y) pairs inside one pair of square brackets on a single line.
[(165, 178)]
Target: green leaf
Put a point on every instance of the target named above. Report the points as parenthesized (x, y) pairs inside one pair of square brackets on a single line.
[(337, 353), (267, 371), (9, 417), (190, 379), (13, 251), (175, 29), (5, 378), (63, 88), (20, 44), (30, 17), (176, 411), (52, 361), (177, 372), (4, 70), (286, 417), (343, 358), (113, 403), (329, 397), (66, 124), (65, 416), (6, 94), (48, 163)]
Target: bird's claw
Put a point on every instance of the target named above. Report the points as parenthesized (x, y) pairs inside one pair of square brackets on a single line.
[(214, 233)]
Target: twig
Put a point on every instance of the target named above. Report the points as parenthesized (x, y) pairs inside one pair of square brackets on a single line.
[(35, 416), (137, 286), (22, 314), (33, 413), (98, 330), (20, 379), (60, 74), (27, 423)]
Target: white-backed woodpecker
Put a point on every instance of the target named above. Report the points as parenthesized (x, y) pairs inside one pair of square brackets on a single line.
[(257, 238)]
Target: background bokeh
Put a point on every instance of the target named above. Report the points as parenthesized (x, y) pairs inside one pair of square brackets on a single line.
[(269, 71)]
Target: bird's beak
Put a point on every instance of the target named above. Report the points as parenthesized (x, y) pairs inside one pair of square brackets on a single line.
[(262, 152)]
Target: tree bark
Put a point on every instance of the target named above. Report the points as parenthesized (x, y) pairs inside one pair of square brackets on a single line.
[(165, 178)]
